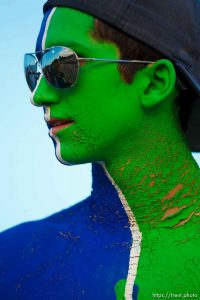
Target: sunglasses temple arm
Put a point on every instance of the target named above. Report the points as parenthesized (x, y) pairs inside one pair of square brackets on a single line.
[(116, 60)]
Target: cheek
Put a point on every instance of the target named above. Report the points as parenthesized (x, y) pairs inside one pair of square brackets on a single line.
[(102, 112), (102, 119), (100, 105), (96, 134), (103, 127)]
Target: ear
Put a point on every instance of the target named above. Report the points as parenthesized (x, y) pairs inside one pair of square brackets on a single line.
[(159, 84)]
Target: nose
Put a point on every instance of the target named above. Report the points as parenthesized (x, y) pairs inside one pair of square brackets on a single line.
[(44, 94)]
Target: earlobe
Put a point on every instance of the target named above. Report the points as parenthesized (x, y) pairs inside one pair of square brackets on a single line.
[(160, 82)]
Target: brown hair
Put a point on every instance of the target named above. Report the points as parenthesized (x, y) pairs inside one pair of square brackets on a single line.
[(131, 48)]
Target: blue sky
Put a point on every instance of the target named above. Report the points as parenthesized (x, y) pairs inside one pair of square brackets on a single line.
[(33, 183)]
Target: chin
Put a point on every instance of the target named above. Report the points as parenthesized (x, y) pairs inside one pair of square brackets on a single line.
[(73, 154), (71, 158)]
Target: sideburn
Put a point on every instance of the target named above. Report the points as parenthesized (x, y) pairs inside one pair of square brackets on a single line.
[(129, 48)]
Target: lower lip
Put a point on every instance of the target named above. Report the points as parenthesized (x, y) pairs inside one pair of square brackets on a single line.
[(55, 129)]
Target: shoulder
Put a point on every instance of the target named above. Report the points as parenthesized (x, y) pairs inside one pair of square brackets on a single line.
[(31, 243), (55, 218), (33, 231)]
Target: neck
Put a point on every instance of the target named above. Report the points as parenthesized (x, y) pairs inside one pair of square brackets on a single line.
[(160, 181)]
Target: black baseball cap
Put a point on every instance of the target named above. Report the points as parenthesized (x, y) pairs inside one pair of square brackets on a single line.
[(170, 27)]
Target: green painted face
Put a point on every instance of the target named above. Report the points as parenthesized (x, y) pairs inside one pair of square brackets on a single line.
[(105, 109)]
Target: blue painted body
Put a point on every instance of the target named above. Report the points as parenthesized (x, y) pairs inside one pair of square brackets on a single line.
[(78, 253)]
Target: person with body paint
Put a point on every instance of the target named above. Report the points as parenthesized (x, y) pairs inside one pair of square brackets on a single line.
[(118, 82)]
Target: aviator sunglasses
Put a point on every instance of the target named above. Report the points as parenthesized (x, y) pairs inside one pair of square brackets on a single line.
[(60, 66)]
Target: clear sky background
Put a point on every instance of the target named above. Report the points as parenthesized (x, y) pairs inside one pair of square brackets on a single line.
[(33, 183)]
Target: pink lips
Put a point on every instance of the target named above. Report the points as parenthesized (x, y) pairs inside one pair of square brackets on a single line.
[(57, 124)]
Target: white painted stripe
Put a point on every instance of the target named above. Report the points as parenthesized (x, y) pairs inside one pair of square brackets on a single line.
[(47, 27), (47, 109), (58, 152), (43, 47), (33, 93), (47, 115), (136, 241)]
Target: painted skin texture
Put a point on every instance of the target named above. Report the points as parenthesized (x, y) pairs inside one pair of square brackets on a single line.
[(133, 129)]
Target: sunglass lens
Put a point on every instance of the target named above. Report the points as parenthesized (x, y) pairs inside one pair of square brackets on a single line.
[(31, 71), (60, 67)]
